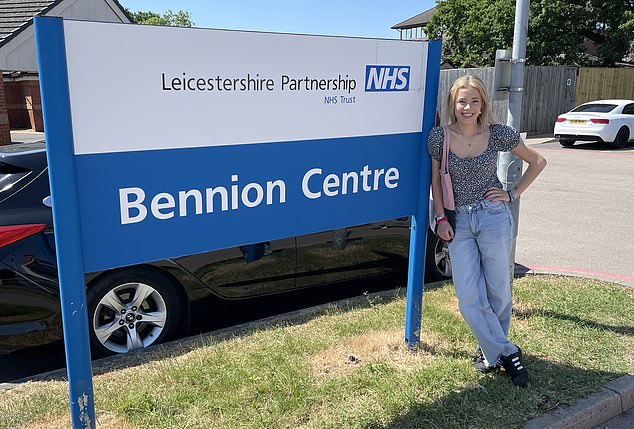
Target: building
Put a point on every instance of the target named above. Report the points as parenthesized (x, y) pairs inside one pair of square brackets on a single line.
[(20, 104), (414, 27)]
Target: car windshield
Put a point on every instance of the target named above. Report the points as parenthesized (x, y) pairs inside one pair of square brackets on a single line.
[(595, 108)]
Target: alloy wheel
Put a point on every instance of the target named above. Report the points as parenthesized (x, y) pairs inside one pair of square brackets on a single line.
[(130, 316)]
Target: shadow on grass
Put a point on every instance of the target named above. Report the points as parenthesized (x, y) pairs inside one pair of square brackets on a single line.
[(528, 313), (493, 402)]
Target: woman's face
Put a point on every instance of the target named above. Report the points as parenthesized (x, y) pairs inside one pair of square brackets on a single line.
[(468, 106)]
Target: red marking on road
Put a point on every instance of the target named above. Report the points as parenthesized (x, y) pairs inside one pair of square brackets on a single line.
[(584, 152), (587, 272)]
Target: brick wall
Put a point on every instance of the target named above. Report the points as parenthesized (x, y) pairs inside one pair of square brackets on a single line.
[(24, 104), (31, 92), (18, 116)]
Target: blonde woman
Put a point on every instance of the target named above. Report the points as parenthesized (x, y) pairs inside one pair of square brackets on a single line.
[(480, 247)]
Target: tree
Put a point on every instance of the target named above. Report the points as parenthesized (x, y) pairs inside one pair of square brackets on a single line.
[(472, 30), (628, 27), (612, 29), (556, 32), (180, 18)]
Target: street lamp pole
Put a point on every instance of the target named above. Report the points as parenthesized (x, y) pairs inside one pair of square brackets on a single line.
[(509, 165)]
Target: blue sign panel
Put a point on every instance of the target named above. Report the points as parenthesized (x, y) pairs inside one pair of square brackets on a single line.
[(196, 199)]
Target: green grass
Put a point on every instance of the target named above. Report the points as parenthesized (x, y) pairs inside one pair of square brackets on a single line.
[(347, 368)]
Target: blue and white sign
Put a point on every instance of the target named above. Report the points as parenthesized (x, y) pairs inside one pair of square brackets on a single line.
[(190, 140), (165, 142)]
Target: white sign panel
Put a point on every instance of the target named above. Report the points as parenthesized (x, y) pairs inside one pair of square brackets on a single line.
[(141, 88)]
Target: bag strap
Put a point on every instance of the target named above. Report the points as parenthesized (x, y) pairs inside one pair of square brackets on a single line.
[(444, 164)]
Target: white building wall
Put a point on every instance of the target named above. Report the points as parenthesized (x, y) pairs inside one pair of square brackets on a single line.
[(19, 52)]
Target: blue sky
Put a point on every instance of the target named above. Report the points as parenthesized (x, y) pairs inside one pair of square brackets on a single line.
[(366, 18)]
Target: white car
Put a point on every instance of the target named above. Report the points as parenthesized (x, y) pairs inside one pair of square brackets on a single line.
[(610, 121)]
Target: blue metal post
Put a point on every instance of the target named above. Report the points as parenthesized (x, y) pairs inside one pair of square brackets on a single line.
[(420, 220), (51, 54)]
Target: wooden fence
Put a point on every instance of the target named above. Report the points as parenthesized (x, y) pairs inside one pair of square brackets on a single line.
[(604, 83), (548, 92)]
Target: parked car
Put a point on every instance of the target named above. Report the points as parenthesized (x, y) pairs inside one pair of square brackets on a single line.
[(134, 307), (610, 121)]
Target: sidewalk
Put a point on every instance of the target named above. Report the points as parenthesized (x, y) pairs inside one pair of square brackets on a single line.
[(615, 398), (539, 139), (26, 136)]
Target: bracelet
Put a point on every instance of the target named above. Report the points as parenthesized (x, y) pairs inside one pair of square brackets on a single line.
[(442, 219), (511, 195)]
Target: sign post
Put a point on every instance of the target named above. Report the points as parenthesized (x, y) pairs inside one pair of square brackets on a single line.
[(66, 218), (420, 220), (212, 134)]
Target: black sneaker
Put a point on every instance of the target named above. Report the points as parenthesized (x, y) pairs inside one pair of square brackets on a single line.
[(480, 365), (515, 368)]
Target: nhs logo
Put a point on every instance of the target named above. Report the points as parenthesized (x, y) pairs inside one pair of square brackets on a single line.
[(386, 78)]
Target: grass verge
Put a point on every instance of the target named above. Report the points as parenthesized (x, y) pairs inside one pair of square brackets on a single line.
[(347, 367)]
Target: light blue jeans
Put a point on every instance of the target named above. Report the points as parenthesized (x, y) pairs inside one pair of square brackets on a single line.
[(480, 260)]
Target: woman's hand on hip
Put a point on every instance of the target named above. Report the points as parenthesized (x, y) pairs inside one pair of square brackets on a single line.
[(497, 195)]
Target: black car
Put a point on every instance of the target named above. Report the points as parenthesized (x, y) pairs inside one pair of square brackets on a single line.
[(133, 307)]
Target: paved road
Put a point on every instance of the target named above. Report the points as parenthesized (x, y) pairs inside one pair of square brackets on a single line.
[(578, 215)]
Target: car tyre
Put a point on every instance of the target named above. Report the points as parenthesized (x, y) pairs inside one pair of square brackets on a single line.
[(131, 309), (622, 137), (438, 264), (566, 143)]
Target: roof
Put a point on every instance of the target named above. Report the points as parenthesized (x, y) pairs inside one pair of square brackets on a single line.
[(419, 20), (16, 15)]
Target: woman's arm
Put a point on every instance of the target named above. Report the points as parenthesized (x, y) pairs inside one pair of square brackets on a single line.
[(443, 229), (436, 189), (536, 163)]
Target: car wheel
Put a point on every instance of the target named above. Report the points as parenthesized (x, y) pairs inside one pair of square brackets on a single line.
[(622, 138), (132, 309), (438, 264), (566, 143)]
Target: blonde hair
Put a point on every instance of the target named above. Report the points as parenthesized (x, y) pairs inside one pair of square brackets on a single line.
[(467, 82)]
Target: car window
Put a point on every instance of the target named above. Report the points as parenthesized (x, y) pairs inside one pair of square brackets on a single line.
[(595, 108), (249, 270), (10, 176), (628, 109)]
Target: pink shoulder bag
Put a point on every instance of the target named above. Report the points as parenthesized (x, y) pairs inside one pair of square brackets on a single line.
[(445, 178)]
